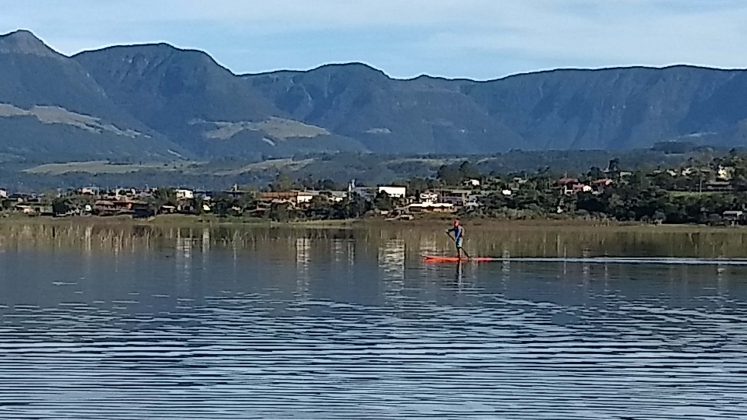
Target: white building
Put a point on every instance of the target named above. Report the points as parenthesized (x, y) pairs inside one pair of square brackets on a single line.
[(431, 207), (456, 197), (3, 193), (394, 192), (338, 196), (305, 197), (89, 191), (725, 173), (119, 193), (184, 194), (428, 197)]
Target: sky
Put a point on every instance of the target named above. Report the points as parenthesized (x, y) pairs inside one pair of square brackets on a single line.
[(478, 39)]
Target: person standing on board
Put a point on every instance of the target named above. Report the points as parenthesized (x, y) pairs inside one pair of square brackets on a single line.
[(458, 237)]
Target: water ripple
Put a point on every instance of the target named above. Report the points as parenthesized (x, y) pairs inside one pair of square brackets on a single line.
[(528, 344)]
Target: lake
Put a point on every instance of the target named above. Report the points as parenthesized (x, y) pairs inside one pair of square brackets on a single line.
[(108, 321)]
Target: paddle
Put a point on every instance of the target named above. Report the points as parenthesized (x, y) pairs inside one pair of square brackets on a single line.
[(463, 250)]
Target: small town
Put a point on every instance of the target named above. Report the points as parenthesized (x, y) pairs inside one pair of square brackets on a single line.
[(713, 193)]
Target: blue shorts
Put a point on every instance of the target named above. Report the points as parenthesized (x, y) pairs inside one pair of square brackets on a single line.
[(458, 242)]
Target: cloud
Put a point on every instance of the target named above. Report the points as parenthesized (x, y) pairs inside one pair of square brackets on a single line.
[(475, 38)]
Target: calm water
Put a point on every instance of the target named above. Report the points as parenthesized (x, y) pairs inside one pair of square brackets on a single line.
[(106, 322)]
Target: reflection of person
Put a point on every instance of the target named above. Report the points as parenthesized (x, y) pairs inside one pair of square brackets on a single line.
[(458, 231), (458, 275)]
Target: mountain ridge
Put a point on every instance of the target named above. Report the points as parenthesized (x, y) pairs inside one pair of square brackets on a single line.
[(53, 109), (190, 104), (24, 41)]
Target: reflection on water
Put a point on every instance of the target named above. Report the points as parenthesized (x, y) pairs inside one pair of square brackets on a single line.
[(137, 321), (303, 262), (392, 259), (391, 263)]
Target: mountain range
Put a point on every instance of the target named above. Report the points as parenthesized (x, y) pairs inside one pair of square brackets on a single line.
[(157, 102)]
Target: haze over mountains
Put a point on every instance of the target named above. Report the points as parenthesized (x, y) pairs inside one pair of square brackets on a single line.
[(158, 102)]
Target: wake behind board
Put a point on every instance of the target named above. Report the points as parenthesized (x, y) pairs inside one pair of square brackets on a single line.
[(596, 260), (436, 259)]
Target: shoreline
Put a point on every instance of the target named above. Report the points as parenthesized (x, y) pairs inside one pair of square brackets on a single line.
[(431, 222)]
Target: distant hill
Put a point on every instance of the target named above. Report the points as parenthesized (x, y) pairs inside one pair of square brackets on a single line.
[(188, 97), (608, 109), (619, 108), (155, 101), (416, 116), (50, 108)]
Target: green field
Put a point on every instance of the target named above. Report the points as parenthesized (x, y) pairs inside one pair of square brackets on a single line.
[(99, 167)]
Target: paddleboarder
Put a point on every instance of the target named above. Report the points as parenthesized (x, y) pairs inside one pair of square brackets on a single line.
[(458, 231)]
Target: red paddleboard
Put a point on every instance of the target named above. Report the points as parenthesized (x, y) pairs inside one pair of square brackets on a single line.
[(436, 259)]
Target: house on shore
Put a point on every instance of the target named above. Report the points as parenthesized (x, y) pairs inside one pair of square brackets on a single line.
[(734, 217), (455, 197), (184, 194), (294, 198), (718, 186), (599, 186), (34, 209), (94, 191), (336, 196), (572, 186), (431, 207), (122, 207), (392, 191)]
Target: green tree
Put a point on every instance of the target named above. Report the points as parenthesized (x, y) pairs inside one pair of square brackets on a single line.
[(280, 212), (383, 201), (353, 207), (61, 206), (319, 208), (595, 173), (326, 185), (162, 197), (469, 171), (594, 204), (197, 204), (282, 182), (495, 203), (247, 202), (418, 185), (449, 175), (613, 168), (223, 205)]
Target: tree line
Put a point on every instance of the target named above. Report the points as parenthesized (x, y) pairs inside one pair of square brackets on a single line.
[(698, 191)]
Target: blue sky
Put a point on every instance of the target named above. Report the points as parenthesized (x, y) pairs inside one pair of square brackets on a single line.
[(479, 39)]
